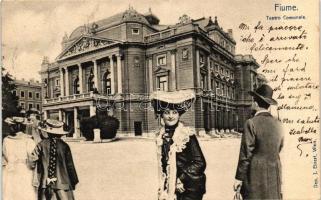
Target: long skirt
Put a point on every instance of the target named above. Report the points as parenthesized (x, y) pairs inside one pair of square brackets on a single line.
[(189, 196), (17, 182)]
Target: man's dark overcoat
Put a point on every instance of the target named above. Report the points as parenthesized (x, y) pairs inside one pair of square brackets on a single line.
[(259, 165)]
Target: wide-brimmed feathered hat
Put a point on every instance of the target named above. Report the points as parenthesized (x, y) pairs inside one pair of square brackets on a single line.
[(178, 100), (264, 92), (52, 126), (17, 120)]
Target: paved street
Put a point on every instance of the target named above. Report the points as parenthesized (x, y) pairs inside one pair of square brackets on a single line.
[(126, 169)]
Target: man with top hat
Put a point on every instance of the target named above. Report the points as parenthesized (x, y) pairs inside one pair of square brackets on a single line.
[(56, 173), (181, 163), (258, 174)]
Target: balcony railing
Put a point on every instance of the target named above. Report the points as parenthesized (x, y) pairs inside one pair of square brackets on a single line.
[(74, 97), (160, 35)]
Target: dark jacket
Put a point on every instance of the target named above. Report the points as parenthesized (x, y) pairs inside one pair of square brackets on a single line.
[(191, 165), (259, 165), (66, 173)]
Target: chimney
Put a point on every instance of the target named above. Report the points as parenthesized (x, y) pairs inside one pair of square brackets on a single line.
[(230, 32)]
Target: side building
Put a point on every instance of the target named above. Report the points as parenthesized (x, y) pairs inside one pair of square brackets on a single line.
[(29, 94), (113, 65)]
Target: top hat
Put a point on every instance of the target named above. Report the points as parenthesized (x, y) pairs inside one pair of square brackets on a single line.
[(264, 92), (52, 126), (177, 100)]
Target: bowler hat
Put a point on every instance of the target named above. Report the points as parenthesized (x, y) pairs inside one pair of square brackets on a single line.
[(178, 100), (52, 126), (264, 92)]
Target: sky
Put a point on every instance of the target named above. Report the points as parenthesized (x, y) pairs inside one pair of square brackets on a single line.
[(34, 29)]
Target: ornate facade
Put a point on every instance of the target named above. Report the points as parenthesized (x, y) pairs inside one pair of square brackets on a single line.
[(112, 65)]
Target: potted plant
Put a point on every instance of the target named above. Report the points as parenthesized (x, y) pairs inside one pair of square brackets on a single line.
[(108, 126), (105, 126), (87, 126)]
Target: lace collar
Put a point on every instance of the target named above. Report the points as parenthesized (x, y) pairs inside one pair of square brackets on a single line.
[(180, 138)]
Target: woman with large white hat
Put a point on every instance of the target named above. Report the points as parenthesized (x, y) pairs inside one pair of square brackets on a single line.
[(17, 170), (180, 158)]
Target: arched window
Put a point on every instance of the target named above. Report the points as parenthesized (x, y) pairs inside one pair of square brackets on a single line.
[(90, 82), (76, 86), (107, 83)]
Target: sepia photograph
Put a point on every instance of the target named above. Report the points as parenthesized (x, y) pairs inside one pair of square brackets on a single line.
[(160, 100)]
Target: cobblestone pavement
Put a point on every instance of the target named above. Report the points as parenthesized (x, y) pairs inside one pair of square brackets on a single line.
[(126, 169)]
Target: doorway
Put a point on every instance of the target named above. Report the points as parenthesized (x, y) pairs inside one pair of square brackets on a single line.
[(138, 128)]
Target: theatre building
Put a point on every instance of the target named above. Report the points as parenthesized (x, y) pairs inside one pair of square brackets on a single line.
[(112, 66)]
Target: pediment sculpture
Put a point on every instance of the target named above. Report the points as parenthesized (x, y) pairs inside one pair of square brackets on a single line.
[(85, 44)]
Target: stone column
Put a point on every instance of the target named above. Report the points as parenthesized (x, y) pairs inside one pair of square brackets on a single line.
[(95, 74), (45, 114), (80, 76), (67, 81), (62, 87), (198, 73), (112, 75), (150, 74), (173, 70), (213, 118), (119, 75), (92, 110), (209, 73), (76, 124), (60, 115)]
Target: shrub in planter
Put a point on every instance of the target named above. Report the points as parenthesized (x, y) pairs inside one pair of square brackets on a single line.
[(87, 126), (108, 126)]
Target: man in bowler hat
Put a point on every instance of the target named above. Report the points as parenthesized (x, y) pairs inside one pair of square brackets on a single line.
[(258, 174)]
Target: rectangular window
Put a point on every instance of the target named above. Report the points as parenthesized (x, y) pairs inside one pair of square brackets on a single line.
[(227, 73), (202, 59), (38, 106), (37, 95), (14, 93), (30, 106), (22, 94), (135, 31), (203, 82), (228, 91), (30, 95), (162, 83), (57, 82), (212, 84), (22, 105), (222, 71), (161, 60), (223, 90), (232, 75), (216, 68), (218, 88)]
